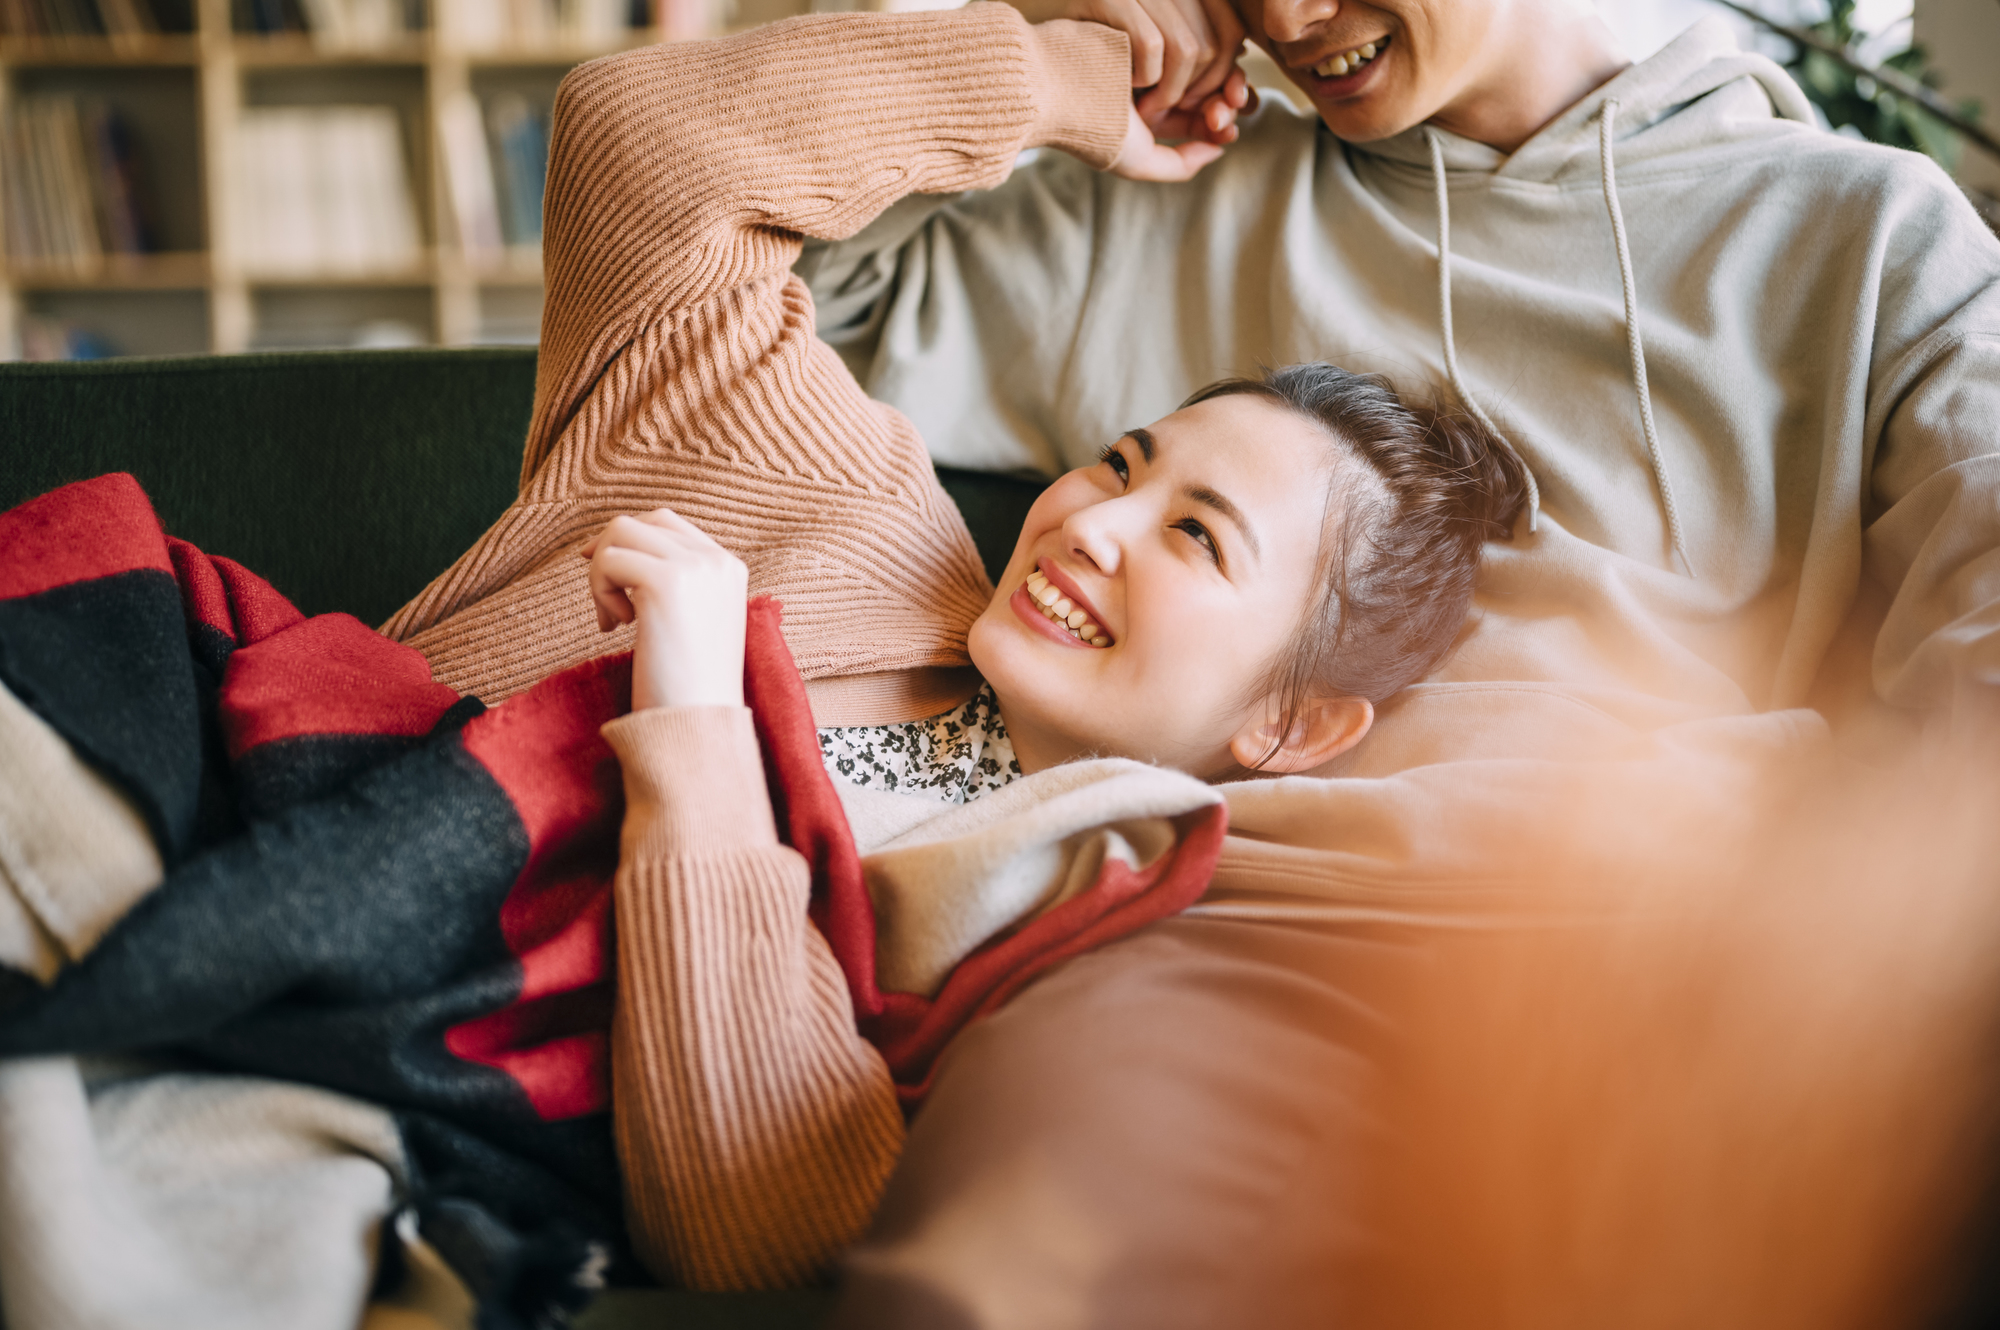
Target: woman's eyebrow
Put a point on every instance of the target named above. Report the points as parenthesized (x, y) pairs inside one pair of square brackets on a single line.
[(1203, 495), (1208, 498)]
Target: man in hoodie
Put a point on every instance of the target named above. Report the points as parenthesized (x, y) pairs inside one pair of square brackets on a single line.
[(1753, 367), (1744, 359)]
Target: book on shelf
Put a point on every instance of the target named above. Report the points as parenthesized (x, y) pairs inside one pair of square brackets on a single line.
[(333, 24), (496, 160), (485, 25), (519, 133), (325, 190), (72, 188), (94, 18), (468, 178), (59, 339)]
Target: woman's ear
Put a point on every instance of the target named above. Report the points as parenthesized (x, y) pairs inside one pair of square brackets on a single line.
[(1322, 729)]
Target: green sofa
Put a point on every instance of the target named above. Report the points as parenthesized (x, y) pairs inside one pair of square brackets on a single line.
[(349, 480)]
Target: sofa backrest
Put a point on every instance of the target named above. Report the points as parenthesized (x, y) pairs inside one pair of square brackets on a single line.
[(347, 478)]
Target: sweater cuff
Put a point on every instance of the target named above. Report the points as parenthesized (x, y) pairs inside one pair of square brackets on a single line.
[(1082, 78), (694, 781)]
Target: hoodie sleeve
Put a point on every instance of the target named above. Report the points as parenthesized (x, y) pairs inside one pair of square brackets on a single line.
[(963, 311), (1932, 539)]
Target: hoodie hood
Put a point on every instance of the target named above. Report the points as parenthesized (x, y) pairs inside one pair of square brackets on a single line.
[(1655, 117), (1702, 61)]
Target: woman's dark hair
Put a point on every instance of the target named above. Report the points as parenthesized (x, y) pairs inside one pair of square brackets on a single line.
[(1397, 558)]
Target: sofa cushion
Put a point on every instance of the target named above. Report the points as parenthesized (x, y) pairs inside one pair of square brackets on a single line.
[(1160, 1134)]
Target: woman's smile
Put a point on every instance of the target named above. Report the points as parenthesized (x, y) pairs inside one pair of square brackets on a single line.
[(1050, 602)]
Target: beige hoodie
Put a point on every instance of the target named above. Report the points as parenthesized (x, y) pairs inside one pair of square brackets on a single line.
[(1791, 371)]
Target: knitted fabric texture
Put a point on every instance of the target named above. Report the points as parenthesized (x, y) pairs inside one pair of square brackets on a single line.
[(678, 363)]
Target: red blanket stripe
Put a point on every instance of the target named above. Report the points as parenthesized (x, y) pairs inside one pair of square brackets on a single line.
[(224, 595), (40, 550), (544, 750), (328, 675), (803, 800)]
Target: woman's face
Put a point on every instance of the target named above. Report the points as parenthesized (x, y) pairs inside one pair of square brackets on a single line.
[(1185, 559)]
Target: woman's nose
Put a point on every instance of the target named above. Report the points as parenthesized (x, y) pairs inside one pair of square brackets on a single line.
[(1095, 533)]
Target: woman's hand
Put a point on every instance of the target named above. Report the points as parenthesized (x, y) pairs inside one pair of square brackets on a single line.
[(687, 593), (1202, 133), (1183, 51)]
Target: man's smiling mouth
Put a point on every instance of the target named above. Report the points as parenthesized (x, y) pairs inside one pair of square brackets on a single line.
[(1343, 63)]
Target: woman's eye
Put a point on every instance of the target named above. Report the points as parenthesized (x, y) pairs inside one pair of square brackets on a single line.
[(1199, 534), (1114, 459)]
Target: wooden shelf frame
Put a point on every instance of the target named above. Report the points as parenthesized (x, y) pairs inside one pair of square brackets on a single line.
[(225, 65)]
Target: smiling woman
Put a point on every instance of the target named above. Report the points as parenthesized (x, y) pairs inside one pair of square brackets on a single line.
[(1189, 601), (1234, 586)]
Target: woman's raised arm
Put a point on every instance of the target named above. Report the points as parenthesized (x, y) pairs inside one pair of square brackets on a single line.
[(686, 175), (678, 364)]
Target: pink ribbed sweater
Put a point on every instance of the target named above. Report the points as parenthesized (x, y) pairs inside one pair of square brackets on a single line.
[(678, 366)]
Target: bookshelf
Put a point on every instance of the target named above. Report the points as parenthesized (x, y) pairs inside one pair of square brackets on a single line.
[(208, 280)]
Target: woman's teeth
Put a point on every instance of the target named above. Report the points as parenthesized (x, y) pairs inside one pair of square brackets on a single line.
[(1349, 61), (1060, 609)]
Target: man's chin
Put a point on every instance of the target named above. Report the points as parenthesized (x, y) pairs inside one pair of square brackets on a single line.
[(1351, 124)]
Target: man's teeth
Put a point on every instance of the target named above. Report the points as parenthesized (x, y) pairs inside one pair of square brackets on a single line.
[(1062, 610), (1347, 61)]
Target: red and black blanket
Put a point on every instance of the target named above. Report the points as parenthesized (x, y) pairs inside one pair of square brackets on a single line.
[(378, 886)]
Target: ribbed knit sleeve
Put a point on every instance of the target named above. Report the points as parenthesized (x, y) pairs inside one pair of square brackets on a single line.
[(812, 127), (678, 364), (755, 1127)]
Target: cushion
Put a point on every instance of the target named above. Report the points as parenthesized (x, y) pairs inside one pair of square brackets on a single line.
[(1159, 1134)]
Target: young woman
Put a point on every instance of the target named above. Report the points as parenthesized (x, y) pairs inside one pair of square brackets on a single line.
[(1232, 587)]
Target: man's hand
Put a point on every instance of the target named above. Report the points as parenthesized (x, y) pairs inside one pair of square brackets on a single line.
[(1183, 51), (687, 593), (1202, 133)]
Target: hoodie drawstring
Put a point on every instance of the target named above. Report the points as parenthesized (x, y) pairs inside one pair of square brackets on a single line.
[(1605, 121), (1444, 318)]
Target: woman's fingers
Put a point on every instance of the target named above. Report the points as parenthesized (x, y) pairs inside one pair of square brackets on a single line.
[(1189, 50), (1142, 157), (641, 550), (1184, 55), (1174, 44), (1214, 122), (614, 571), (1224, 47), (1142, 33)]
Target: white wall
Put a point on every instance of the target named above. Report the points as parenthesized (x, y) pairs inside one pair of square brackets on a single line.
[(1644, 26), (1647, 25)]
